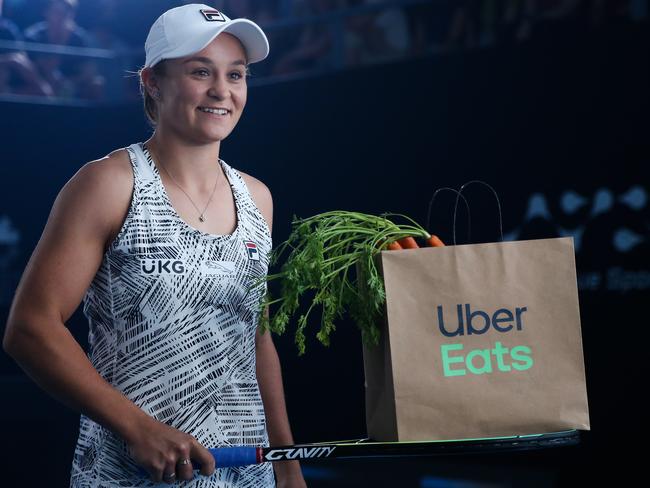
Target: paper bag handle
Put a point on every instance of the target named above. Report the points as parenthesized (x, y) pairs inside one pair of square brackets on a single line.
[(459, 194), (469, 220)]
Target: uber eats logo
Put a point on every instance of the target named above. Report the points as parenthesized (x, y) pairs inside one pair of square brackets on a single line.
[(457, 361)]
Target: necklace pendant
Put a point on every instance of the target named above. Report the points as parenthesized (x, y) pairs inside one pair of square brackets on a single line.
[(201, 218)]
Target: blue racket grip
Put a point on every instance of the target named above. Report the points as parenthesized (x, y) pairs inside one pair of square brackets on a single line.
[(234, 456), (227, 456)]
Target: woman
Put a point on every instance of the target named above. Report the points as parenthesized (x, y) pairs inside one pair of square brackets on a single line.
[(163, 241)]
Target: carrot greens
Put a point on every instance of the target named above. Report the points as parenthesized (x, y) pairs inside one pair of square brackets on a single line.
[(332, 258)]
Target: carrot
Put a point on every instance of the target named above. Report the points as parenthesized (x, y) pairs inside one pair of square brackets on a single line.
[(394, 246), (434, 241), (408, 243), (389, 245)]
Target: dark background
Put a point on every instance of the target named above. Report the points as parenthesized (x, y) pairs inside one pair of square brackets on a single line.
[(565, 113)]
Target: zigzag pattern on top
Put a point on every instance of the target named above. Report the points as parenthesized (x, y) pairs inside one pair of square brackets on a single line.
[(172, 321)]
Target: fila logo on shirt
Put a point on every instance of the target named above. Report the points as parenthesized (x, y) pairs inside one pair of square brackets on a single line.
[(212, 15), (253, 253)]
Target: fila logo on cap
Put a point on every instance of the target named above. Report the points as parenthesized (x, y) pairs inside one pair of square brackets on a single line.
[(251, 248), (212, 15)]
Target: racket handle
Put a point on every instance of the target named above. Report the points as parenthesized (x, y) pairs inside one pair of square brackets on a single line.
[(236, 456), (228, 456)]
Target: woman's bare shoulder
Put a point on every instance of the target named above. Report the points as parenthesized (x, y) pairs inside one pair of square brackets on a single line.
[(261, 196), (259, 191), (103, 186), (115, 165), (257, 188), (112, 173)]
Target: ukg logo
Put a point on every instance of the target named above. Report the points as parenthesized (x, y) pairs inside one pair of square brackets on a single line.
[(162, 266), (456, 361)]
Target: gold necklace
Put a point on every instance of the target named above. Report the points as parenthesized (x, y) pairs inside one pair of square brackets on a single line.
[(201, 214)]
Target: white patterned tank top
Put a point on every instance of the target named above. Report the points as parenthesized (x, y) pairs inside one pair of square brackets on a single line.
[(172, 321)]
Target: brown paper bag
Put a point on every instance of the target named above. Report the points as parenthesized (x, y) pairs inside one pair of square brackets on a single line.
[(511, 364)]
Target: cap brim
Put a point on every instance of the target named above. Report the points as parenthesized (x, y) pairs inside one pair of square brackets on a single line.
[(249, 33)]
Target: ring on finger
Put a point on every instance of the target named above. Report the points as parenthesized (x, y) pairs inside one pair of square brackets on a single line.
[(169, 476), (183, 461)]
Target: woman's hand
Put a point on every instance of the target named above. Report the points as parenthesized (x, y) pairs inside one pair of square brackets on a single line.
[(159, 449)]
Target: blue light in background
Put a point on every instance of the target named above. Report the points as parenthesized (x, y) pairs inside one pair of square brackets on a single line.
[(436, 482)]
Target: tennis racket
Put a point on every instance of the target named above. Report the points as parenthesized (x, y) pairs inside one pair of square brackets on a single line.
[(365, 448)]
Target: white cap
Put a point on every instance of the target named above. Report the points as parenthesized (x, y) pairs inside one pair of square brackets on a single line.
[(185, 30)]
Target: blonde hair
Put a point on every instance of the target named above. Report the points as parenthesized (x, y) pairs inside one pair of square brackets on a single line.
[(150, 106)]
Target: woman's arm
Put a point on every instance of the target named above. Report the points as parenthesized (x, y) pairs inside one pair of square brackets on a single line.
[(268, 370), (84, 216), (269, 378), (59, 271)]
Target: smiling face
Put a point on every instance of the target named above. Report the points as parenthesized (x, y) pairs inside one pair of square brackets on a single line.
[(202, 96)]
